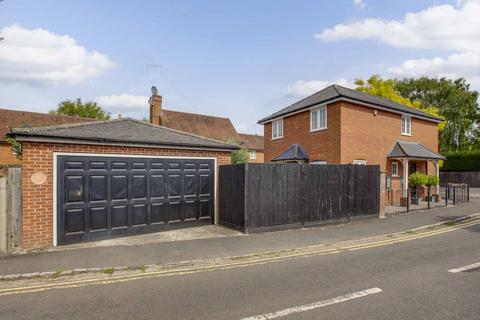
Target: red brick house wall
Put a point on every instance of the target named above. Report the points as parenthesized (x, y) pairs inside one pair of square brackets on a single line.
[(320, 145), (38, 199)]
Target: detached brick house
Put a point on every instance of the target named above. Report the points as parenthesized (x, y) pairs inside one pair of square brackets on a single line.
[(338, 125), (213, 127)]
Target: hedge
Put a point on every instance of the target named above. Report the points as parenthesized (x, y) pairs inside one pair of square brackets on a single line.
[(461, 161)]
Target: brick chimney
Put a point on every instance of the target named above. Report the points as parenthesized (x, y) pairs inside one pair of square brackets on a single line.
[(155, 107)]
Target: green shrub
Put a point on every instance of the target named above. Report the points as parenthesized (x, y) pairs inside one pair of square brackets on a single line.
[(417, 179), (468, 160), (432, 181)]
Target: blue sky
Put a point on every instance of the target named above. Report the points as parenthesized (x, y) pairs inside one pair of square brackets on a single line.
[(238, 59)]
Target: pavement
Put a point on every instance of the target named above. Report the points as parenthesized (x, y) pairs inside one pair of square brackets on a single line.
[(225, 246), (399, 281)]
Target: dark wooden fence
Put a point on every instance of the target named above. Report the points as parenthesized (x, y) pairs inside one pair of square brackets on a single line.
[(255, 197)]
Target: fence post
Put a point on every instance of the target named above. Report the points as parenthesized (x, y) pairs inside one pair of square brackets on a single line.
[(408, 200), (453, 195), (428, 200), (3, 215), (468, 193)]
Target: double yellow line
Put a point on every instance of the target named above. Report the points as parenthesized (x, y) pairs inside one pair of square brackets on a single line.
[(228, 263)]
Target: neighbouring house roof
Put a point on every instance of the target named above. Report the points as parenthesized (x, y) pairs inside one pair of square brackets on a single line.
[(203, 125), (405, 149), (335, 92), (119, 131), (14, 118), (294, 152), (252, 141)]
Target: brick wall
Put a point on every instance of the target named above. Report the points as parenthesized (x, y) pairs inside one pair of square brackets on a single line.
[(320, 145), (260, 158), (38, 199)]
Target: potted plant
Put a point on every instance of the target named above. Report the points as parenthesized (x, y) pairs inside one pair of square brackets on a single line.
[(415, 180), (432, 181)]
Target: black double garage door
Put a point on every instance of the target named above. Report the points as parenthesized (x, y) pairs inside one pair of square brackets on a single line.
[(101, 197)]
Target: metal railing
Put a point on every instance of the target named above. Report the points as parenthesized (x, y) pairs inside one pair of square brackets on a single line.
[(424, 198)]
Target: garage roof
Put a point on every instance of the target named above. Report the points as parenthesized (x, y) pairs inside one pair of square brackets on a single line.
[(334, 92), (119, 131)]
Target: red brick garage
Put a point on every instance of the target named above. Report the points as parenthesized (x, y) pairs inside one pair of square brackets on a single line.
[(72, 156)]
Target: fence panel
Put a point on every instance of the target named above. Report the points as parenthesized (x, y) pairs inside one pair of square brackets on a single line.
[(11, 209), (269, 196), (274, 196), (232, 196)]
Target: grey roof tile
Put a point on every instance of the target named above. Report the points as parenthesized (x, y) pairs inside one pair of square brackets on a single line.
[(294, 152), (407, 149), (335, 91), (122, 131)]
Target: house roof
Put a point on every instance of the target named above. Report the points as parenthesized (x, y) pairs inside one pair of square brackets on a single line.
[(251, 141), (15, 118), (119, 131), (203, 125), (406, 149), (294, 152), (334, 92)]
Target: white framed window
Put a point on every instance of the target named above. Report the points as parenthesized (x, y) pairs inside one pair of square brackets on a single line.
[(360, 162), (277, 129), (253, 154), (394, 169), (318, 119), (406, 125), (318, 162)]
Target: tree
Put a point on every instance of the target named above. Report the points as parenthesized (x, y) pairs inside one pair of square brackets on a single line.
[(238, 156), (78, 109), (387, 88), (454, 101)]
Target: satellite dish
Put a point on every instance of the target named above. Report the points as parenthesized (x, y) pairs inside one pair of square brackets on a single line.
[(154, 91)]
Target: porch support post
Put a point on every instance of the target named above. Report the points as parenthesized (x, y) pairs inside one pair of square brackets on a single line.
[(405, 177), (437, 173)]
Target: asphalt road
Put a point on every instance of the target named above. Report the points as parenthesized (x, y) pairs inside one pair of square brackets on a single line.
[(413, 278)]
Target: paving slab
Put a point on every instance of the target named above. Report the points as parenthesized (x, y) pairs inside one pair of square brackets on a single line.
[(225, 246)]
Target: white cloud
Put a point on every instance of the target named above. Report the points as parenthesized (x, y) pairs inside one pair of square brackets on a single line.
[(41, 57), (123, 103), (359, 3), (466, 65), (302, 88), (437, 27)]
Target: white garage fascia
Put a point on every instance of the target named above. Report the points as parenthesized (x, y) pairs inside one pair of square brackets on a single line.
[(57, 154)]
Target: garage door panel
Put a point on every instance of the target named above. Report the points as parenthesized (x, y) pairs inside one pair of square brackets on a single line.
[(112, 196), (98, 188), (157, 186), (139, 214), (74, 220), (74, 188), (98, 219), (158, 213), (119, 216), (139, 186), (119, 186)]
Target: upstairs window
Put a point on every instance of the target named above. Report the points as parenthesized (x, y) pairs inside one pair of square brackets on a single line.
[(277, 129), (406, 125), (253, 154), (318, 119)]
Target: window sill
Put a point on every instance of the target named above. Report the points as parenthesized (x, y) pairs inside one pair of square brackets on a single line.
[(320, 129), (277, 138), (407, 134)]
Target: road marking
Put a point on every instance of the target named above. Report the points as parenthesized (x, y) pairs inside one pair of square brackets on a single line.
[(465, 268), (223, 265), (314, 305)]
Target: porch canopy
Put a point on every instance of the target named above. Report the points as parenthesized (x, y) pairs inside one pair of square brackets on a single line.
[(406, 150), (413, 150), (294, 153)]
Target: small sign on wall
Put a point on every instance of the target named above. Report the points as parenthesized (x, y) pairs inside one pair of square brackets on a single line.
[(38, 178)]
